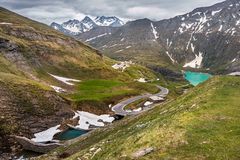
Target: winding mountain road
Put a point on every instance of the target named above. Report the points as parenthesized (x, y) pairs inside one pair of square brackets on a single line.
[(119, 108)]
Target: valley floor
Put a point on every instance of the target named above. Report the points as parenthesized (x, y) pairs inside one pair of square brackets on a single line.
[(201, 124)]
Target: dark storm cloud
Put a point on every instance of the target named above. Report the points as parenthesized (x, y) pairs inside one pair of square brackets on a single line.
[(61, 10)]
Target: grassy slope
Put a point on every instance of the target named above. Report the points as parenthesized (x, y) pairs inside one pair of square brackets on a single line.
[(23, 103), (202, 124), (29, 51), (46, 50), (42, 50)]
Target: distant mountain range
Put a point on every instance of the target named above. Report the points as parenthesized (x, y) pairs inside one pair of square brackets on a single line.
[(74, 27), (207, 38)]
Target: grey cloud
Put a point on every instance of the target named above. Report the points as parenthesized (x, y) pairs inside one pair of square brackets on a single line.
[(60, 10)]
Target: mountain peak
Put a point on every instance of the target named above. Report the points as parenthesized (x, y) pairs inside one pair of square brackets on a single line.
[(74, 26), (87, 18), (112, 21), (72, 21)]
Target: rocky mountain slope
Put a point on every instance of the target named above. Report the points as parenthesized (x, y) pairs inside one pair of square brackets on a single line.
[(206, 38), (74, 27), (201, 124), (40, 74)]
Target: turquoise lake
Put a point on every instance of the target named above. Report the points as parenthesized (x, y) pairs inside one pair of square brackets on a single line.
[(196, 78), (71, 134)]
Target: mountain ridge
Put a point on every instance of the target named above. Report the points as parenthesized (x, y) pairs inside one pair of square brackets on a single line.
[(74, 26), (200, 39)]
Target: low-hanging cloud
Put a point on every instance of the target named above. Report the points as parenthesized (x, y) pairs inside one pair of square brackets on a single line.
[(61, 10)]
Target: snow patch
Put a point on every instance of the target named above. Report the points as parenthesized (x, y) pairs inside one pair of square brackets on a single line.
[(101, 35), (169, 43), (156, 98), (65, 80), (193, 48), (148, 103), (196, 63), (5, 23), (119, 51), (234, 60), (86, 119), (142, 80), (58, 89), (137, 110), (154, 32), (122, 65), (238, 22), (46, 135), (170, 57), (220, 29), (72, 28), (215, 12), (197, 13), (234, 74)]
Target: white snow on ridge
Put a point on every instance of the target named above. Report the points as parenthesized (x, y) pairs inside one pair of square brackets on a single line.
[(65, 80), (199, 13), (238, 22), (184, 27), (73, 28), (101, 35), (119, 51), (169, 43), (154, 32), (202, 21), (234, 60), (86, 119), (193, 48), (180, 30), (170, 57), (46, 135), (196, 63), (220, 29), (215, 12)]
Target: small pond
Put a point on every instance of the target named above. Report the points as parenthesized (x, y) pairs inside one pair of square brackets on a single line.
[(196, 78), (71, 134)]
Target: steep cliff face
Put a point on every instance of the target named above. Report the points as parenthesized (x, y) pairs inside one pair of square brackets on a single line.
[(206, 38)]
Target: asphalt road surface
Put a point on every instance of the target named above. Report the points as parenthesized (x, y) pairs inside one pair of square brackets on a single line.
[(119, 108)]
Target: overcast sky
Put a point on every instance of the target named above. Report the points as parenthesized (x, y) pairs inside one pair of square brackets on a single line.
[(47, 11)]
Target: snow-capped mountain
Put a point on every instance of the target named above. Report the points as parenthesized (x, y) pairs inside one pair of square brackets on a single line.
[(206, 38), (89, 23), (74, 27), (109, 21)]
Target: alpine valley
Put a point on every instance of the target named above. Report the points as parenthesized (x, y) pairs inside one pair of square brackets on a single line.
[(102, 88), (206, 38)]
